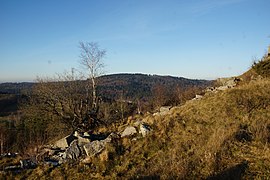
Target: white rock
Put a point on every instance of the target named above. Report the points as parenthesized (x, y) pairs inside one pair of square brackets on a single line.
[(83, 140), (165, 108), (86, 134), (64, 142), (130, 130), (144, 129), (76, 134), (222, 88), (197, 97)]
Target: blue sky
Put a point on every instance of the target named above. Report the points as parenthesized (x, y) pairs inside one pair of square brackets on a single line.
[(202, 39)]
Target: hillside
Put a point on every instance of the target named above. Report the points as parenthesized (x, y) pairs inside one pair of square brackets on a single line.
[(222, 135), (110, 87), (141, 86)]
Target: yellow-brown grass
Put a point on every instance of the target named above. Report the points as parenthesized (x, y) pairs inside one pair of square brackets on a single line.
[(225, 134)]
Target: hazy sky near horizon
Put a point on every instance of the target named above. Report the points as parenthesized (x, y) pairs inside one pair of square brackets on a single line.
[(202, 39)]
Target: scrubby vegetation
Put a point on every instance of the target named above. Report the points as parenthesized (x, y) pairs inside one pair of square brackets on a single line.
[(262, 67), (32, 114)]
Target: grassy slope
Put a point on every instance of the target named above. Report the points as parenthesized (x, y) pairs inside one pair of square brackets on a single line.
[(223, 135)]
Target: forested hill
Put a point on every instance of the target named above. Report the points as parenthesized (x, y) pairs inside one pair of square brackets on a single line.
[(14, 88), (142, 85), (129, 86)]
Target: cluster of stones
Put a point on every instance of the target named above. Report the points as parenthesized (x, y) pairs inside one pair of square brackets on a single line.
[(76, 145)]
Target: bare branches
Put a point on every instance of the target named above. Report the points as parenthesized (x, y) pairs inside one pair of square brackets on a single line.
[(67, 96), (63, 96), (91, 58)]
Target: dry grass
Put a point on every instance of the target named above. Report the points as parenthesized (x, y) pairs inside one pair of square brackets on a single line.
[(222, 135)]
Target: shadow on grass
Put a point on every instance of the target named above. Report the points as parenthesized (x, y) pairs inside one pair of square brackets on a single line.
[(233, 173)]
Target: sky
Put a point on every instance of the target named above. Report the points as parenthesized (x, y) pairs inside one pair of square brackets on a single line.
[(198, 39)]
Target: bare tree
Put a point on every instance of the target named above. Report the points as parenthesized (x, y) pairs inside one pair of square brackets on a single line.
[(67, 96), (91, 58), (64, 97)]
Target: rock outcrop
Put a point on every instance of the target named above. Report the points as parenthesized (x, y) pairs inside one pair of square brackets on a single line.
[(79, 146)]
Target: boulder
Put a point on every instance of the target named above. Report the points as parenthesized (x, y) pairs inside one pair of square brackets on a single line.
[(96, 147), (65, 142), (73, 151), (228, 82), (197, 97), (130, 130), (163, 111), (82, 140), (111, 137), (165, 108), (144, 129), (93, 148), (222, 88)]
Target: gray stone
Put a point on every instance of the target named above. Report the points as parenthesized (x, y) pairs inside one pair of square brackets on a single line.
[(228, 82), (65, 142), (111, 137), (222, 88), (83, 140), (231, 83), (130, 130), (93, 148), (163, 111), (28, 164), (197, 97), (144, 129), (96, 147), (73, 151)]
